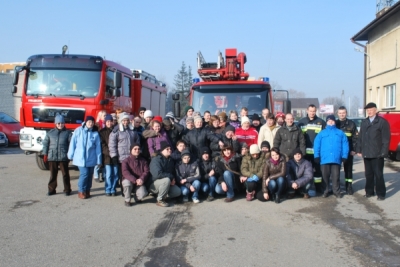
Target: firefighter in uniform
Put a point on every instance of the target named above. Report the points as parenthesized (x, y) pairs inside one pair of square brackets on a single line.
[(311, 125), (350, 130)]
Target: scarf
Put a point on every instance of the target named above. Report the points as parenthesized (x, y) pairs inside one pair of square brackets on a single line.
[(272, 127), (275, 162)]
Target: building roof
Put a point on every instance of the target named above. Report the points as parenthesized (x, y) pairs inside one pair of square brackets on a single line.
[(363, 34), (300, 103)]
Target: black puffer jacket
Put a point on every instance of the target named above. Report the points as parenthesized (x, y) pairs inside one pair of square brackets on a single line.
[(205, 168), (56, 144), (289, 138), (233, 165), (104, 138), (216, 150), (198, 138), (373, 139), (161, 167), (300, 172), (350, 130)]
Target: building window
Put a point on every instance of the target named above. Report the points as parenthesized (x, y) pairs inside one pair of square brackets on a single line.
[(390, 96)]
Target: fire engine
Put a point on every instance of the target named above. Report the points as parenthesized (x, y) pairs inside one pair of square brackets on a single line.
[(76, 86), (393, 117), (225, 86)]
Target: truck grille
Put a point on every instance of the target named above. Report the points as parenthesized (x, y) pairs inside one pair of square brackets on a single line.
[(47, 114)]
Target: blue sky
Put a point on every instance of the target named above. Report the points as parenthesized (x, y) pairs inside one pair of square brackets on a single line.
[(301, 45)]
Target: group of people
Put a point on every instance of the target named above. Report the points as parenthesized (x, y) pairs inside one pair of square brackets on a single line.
[(263, 157)]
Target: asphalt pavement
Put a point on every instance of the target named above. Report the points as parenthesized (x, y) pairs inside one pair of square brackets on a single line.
[(59, 230)]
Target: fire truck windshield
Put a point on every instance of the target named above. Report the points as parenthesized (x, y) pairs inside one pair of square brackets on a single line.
[(226, 100), (57, 82)]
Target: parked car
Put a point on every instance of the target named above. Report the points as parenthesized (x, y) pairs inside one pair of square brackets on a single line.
[(3, 140), (357, 121), (10, 127)]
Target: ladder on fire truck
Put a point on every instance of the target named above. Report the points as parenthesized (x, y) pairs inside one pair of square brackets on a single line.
[(232, 68)]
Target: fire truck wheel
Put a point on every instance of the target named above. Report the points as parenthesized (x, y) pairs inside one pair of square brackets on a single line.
[(40, 163)]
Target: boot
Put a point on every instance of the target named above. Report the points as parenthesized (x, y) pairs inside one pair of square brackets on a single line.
[(81, 195), (349, 189), (87, 194), (277, 199)]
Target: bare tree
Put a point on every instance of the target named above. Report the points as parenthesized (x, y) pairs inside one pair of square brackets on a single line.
[(355, 105), (335, 101)]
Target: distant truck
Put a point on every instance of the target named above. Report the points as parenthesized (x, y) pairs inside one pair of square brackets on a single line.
[(226, 86), (76, 86), (393, 117)]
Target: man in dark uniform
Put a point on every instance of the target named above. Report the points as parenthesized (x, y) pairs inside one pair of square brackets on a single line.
[(311, 125), (350, 130), (373, 146)]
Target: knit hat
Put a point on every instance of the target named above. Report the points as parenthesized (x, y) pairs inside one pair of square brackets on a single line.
[(255, 117), (158, 118), (124, 117), (205, 150), (244, 119), (197, 118), (244, 145), (187, 109), (170, 115), (330, 117), (59, 119), (133, 145), (222, 116), (148, 113), (108, 118), (254, 149), (166, 122), (265, 144), (89, 118), (142, 109), (280, 114), (114, 116), (297, 151), (229, 128), (164, 145), (185, 152)]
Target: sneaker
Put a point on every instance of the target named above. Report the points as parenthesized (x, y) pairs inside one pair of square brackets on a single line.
[(306, 196), (249, 196), (380, 198), (228, 199), (185, 199), (127, 204), (210, 198), (162, 203), (113, 194), (196, 200)]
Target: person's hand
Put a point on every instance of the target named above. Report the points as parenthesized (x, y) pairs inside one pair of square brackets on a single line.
[(192, 189), (139, 182), (352, 153), (295, 186), (173, 181), (115, 160), (243, 179), (266, 196), (234, 137), (45, 158), (224, 187), (359, 154), (183, 181), (221, 144), (317, 160), (211, 173)]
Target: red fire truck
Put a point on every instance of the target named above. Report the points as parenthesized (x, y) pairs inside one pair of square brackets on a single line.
[(76, 86), (226, 86), (393, 117)]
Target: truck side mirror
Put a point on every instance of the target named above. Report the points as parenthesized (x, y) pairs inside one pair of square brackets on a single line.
[(176, 97), (177, 109), (117, 79), (117, 92), (287, 106)]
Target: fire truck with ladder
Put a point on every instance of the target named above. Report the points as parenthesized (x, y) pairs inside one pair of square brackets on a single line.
[(225, 86), (76, 86)]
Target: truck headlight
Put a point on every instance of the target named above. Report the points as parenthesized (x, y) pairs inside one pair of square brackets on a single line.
[(25, 137)]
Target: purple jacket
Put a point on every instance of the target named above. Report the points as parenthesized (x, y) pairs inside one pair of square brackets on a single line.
[(153, 143), (134, 168)]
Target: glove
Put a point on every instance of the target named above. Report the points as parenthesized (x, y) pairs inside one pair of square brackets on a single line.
[(317, 160), (115, 160), (344, 160), (45, 158)]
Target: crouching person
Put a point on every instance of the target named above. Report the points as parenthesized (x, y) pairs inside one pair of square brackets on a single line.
[(299, 174), (162, 169), (188, 177), (252, 171), (207, 171), (135, 171)]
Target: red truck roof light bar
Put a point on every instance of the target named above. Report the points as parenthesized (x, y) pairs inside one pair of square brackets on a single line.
[(232, 69)]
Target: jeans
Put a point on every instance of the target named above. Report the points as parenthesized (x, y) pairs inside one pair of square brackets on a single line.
[(97, 171), (212, 182), (185, 191), (374, 176), (276, 186), (228, 179), (111, 178), (85, 179)]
